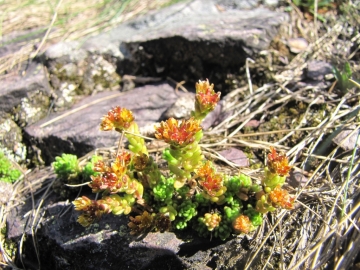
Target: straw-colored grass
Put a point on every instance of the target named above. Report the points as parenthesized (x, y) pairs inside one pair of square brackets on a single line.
[(36, 24)]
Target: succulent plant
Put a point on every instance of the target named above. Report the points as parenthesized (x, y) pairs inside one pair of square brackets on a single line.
[(191, 193)]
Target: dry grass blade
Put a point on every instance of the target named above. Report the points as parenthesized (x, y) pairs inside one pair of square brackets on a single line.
[(61, 20), (329, 234), (78, 109)]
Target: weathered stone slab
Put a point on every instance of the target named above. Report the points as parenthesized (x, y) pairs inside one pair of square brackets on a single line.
[(193, 40), (11, 139), (236, 156), (347, 138), (26, 95), (24, 99), (74, 70), (107, 244), (78, 130)]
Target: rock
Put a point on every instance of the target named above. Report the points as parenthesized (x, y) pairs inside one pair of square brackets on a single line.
[(297, 45), (236, 156), (24, 99), (99, 75), (252, 124), (14, 41), (66, 52), (182, 107), (345, 140), (11, 139), (6, 190), (26, 95), (237, 4), (107, 244), (317, 70), (74, 70), (185, 42), (218, 115), (104, 245), (78, 131), (272, 3), (297, 179)]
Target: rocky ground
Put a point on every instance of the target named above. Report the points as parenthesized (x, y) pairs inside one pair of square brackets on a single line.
[(274, 65)]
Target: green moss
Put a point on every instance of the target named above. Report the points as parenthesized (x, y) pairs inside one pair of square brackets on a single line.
[(104, 80), (10, 247), (7, 172)]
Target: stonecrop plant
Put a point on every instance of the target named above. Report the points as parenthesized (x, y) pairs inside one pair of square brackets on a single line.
[(191, 193)]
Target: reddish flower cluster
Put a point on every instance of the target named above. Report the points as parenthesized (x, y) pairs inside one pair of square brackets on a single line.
[(281, 197), (210, 181), (111, 178), (206, 98), (117, 118), (114, 179), (121, 162), (178, 134), (278, 163)]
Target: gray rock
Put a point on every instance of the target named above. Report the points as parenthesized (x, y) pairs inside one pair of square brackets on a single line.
[(192, 40), (182, 107), (271, 2), (107, 244), (237, 4), (297, 179), (236, 156), (317, 70), (26, 95), (100, 75), (297, 45), (218, 115), (6, 190), (346, 138), (78, 131), (24, 99), (13, 42), (66, 52), (11, 139), (182, 41), (75, 71)]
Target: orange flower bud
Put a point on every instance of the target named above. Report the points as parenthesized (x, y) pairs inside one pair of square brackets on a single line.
[(178, 134), (206, 98), (211, 182), (205, 169), (85, 220), (119, 167), (281, 197), (278, 163), (92, 209), (117, 118), (141, 223), (242, 224), (106, 180)]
